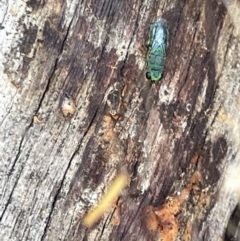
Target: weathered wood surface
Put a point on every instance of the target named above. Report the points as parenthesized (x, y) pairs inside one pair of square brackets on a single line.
[(176, 140)]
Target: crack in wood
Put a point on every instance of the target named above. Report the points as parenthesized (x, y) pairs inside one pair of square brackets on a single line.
[(54, 69), (131, 40), (55, 199), (17, 177), (137, 213), (5, 14)]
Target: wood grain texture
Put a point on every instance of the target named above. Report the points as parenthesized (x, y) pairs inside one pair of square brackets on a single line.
[(178, 140)]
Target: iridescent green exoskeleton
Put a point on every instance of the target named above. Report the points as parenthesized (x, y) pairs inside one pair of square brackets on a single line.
[(156, 57)]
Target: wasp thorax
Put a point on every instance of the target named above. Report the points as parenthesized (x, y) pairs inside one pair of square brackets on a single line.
[(68, 106)]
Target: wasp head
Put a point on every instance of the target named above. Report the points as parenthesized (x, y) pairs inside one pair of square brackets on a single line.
[(153, 75)]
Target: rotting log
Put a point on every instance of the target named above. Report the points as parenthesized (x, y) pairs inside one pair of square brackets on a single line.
[(76, 110)]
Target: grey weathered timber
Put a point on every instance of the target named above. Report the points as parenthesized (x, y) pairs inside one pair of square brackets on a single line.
[(76, 110)]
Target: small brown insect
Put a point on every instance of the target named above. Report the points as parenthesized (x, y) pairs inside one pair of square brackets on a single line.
[(36, 120), (114, 103), (68, 106)]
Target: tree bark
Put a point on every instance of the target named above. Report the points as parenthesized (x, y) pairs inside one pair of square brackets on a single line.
[(76, 110)]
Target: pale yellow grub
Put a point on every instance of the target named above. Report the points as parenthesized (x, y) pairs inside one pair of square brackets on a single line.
[(109, 197)]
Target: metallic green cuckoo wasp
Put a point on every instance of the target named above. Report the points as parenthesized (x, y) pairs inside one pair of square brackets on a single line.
[(156, 57)]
